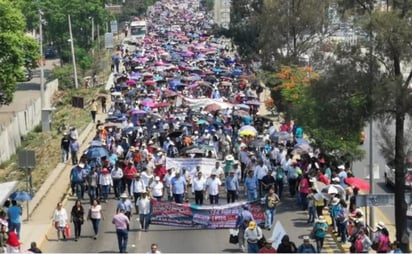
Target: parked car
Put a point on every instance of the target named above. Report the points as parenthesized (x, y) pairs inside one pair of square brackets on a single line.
[(390, 175), (50, 53)]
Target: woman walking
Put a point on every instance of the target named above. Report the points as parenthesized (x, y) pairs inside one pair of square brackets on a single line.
[(77, 217), (95, 215), (60, 220), (319, 231)]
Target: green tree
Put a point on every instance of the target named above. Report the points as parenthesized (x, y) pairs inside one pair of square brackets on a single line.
[(289, 29), (16, 49), (368, 82)]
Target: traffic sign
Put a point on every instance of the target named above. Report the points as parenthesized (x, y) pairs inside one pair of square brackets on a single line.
[(108, 41), (26, 159)]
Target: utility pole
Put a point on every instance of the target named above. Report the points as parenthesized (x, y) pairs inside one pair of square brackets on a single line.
[(42, 99), (76, 83)]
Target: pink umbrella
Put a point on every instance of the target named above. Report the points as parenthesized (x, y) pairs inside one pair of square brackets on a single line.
[(149, 104), (131, 82), (149, 82), (159, 63)]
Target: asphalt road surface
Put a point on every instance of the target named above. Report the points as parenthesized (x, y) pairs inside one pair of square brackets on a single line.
[(26, 92), (173, 239), (361, 169)]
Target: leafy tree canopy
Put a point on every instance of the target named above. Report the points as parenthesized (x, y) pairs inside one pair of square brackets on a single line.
[(16, 49)]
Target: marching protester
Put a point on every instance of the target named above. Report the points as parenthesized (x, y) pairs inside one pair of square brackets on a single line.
[(121, 222), (77, 217)]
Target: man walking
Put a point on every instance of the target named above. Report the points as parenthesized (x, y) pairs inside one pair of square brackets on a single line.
[(121, 223), (74, 149), (198, 188), (212, 187), (65, 146), (232, 186), (178, 188)]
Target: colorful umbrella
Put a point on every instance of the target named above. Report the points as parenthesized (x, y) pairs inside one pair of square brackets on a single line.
[(21, 196), (248, 128), (360, 183), (131, 82), (96, 152), (247, 133), (138, 112), (149, 104), (149, 82)]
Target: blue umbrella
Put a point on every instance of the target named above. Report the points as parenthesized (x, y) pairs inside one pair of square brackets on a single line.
[(21, 196), (217, 70), (96, 143), (174, 82), (237, 72), (95, 152)]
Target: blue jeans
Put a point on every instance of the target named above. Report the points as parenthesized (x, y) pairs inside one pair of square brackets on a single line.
[(178, 198), (122, 237), (117, 187), (79, 190), (92, 193), (342, 231), (15, 227), (144, 221), (312, 214), (251, 195), (95, 223), (270, 217), (65, 155), (105, 191), (252, 248)]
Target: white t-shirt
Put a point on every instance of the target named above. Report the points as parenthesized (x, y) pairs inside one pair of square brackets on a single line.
[(96, 212), (60, 216), (213, 186), (157, 189)]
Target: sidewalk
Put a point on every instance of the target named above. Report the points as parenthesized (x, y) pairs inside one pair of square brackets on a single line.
[(54, 190)]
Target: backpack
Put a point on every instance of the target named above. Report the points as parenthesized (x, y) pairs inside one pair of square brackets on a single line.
[(359, 245)]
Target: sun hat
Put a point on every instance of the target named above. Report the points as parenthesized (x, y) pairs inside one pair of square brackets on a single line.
[(252, 225), (157, 178), (335, 201), (229, 157), (321, 219), (81, 165), (306, 238), (124, 195), (105, 171), (380, 225)]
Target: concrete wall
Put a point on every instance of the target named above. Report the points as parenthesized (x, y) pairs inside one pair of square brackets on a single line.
[(23, 122)]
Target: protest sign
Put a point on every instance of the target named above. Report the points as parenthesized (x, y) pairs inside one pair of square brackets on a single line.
[(206, 217), (278, 233), (190, 164)]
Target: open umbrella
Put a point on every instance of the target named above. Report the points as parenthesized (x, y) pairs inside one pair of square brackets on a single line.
[(95, 143), (248, 128), (138, 112), (95, 152), (175, 134), (131, 82), (149, 82), (202, 121), (359, 183), (334, 189), (21, 196)]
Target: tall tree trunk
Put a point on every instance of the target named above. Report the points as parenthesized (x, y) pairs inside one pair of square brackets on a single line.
[(400, 203)]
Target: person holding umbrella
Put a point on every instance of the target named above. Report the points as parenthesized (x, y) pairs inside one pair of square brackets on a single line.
[(14, 214)]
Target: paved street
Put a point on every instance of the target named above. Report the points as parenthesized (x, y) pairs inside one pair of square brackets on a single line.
[(26, 92), (173, 239)]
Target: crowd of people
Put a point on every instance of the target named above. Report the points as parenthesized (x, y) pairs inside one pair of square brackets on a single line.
[(184, 93)]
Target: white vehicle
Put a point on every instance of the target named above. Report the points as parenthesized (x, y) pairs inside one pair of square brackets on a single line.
[(138, 30), (390, 175)]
